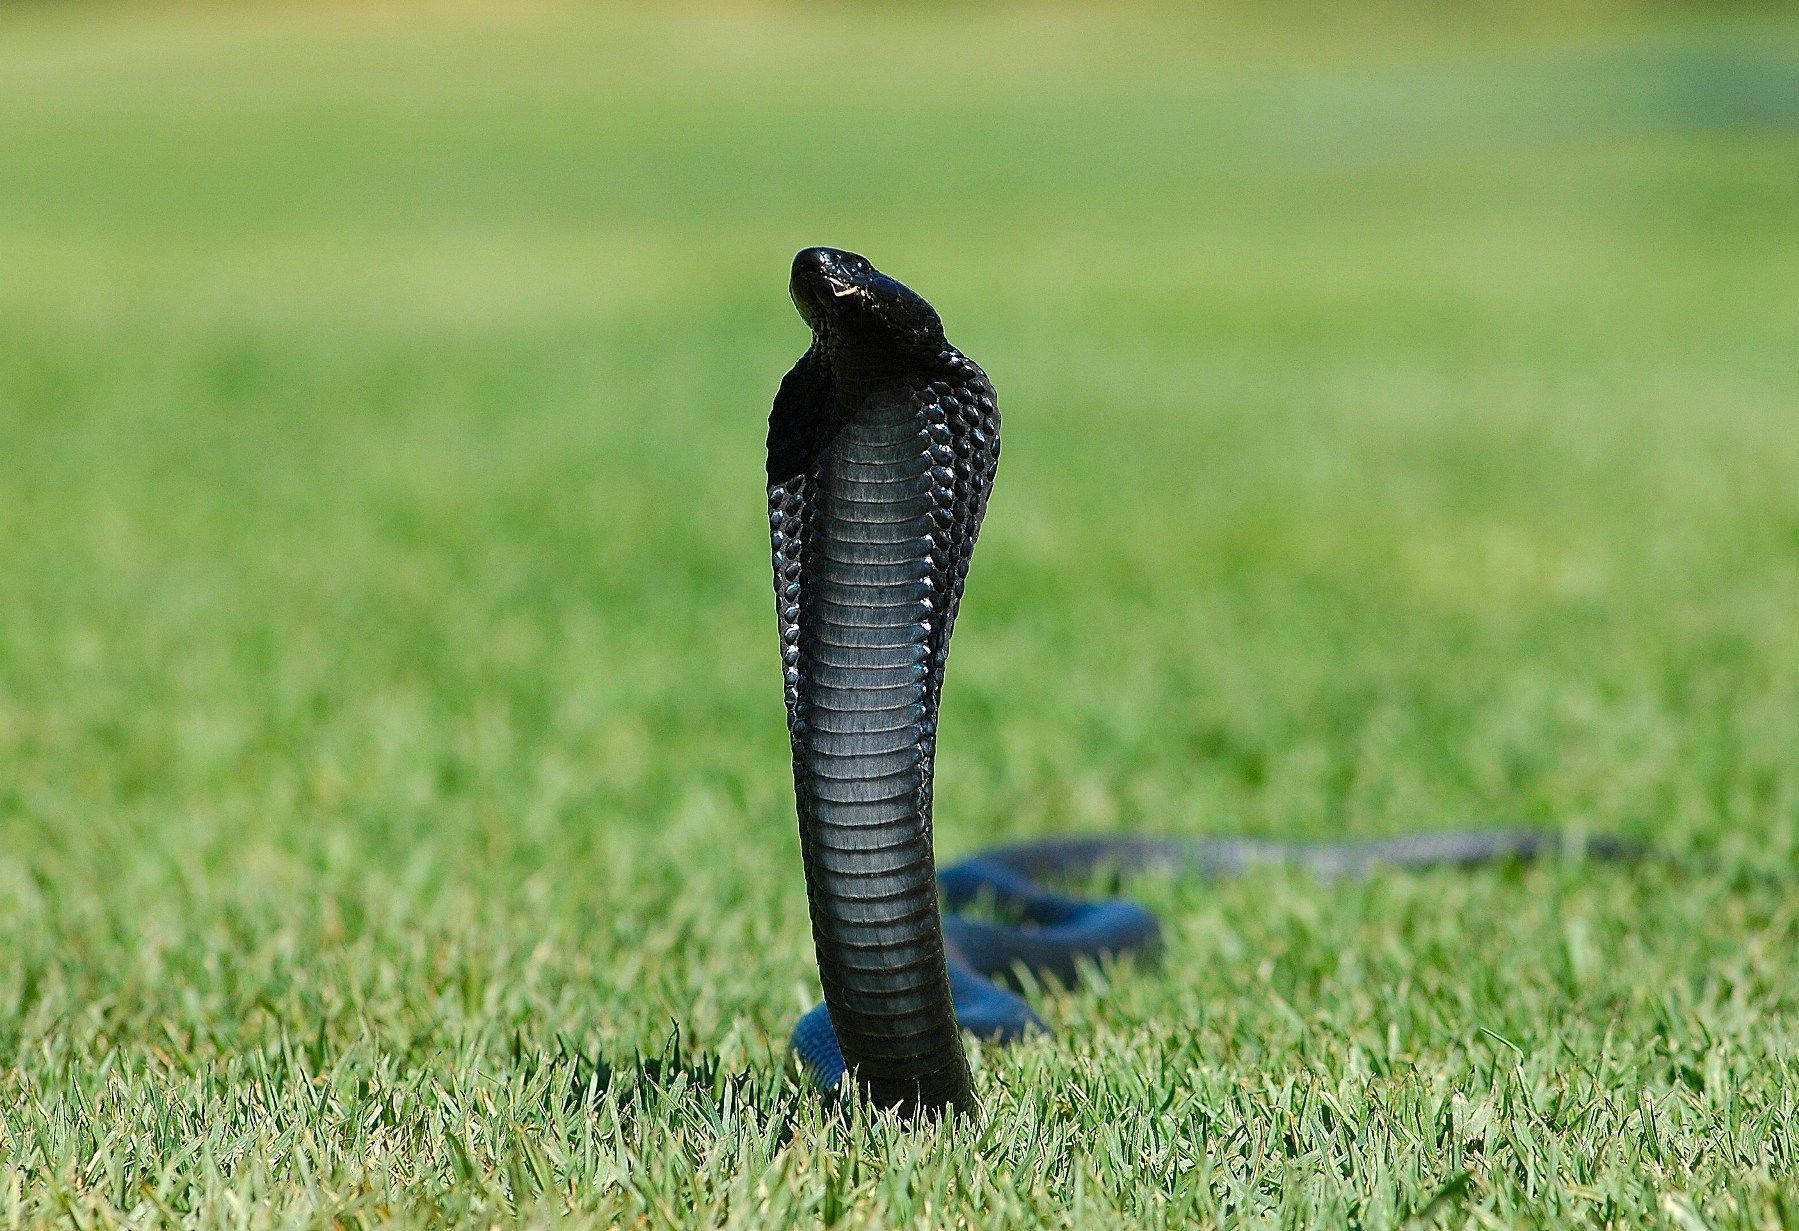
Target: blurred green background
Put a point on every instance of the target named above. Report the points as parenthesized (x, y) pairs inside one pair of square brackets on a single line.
[(1402, 431)]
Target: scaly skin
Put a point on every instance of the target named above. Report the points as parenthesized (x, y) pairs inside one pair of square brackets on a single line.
[(881, 451)]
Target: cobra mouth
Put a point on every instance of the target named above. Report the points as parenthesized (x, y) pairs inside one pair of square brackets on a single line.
[(842, 290)]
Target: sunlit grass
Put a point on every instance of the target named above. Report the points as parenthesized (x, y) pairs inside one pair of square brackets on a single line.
[(1400, 434)]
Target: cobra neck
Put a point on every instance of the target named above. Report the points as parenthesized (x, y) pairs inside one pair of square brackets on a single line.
[(869, 378)]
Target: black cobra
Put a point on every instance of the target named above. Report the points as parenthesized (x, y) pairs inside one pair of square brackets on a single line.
[(882, 447)]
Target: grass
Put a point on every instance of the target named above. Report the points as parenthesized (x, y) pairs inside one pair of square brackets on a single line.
[(395, 821)]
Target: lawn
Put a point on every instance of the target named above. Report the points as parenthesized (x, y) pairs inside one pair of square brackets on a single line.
[(1402, 432)]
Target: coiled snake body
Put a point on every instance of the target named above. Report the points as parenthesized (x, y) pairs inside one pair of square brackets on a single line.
[(882, 447)]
